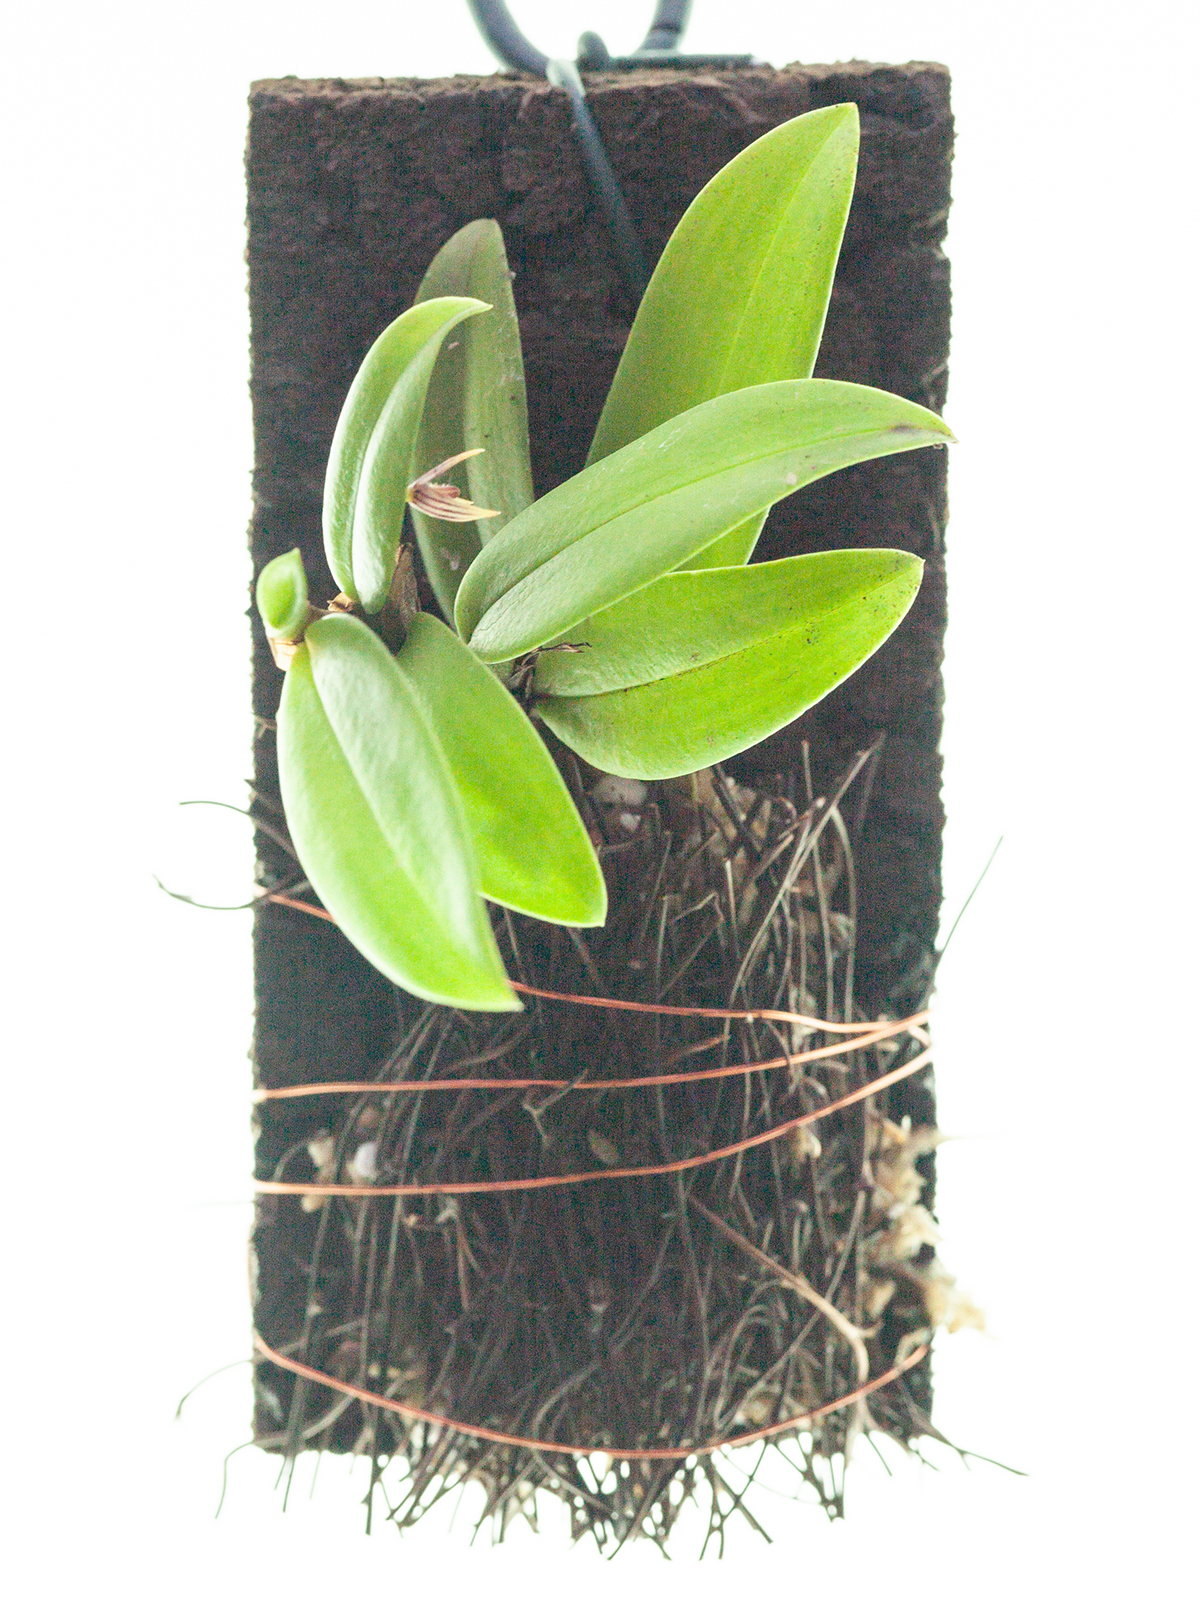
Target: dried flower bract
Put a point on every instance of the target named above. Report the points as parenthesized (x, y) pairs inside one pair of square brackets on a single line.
[(444, 500)]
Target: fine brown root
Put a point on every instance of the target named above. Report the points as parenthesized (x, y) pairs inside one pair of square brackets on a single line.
[(653, 1311)]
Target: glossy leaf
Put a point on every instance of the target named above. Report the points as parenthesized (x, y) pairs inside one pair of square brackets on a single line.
[(476, 399), (377, 823), (370, 462), (282, 596), (732, 549), (740, 293), (532, 847), (640, 512), (701, 665)]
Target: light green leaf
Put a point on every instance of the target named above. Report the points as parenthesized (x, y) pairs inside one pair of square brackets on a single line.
[(282, 596), (640, 512), (533, 850), (741, 291), (732, 549), (476, 399), (370, 461), (701, 665), (377, 823)]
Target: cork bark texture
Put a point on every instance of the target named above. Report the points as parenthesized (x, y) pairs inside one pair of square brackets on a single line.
[(353, 186)]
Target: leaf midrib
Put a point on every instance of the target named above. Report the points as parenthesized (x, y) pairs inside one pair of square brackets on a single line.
[(762, 267), (651, 498), (723, 655)]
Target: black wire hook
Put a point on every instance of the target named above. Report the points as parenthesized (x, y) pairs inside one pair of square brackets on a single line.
[(505, 39), (660, 48), (494, 21), (626, 245)]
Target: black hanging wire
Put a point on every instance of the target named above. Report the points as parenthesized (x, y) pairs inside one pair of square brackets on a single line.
[(505, 39), (627, 247), (660, 48)]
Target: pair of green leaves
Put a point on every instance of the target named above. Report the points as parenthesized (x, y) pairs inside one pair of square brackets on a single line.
[(672, 670), (422, 397), (643, 511), (371, 459), (413, 786)]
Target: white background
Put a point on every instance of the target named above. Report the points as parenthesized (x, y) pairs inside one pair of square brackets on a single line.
[(1065, 1064)]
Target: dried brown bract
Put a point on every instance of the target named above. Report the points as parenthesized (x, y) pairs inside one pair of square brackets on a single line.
[(444, 500)]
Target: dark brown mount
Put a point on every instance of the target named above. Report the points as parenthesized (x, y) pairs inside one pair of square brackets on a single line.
[(353, 186)]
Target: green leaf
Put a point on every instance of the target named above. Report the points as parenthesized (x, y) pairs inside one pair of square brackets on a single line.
[(476, 399), (741, 291), (377, 823), (371, 458), (701, 665), (640, 512), (533, 850), (282, 596), (732, 549)]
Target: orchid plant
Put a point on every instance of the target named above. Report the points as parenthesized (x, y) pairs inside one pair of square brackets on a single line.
[(619, 610)]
